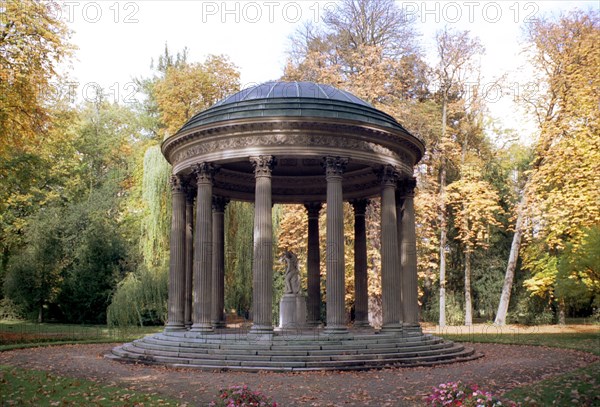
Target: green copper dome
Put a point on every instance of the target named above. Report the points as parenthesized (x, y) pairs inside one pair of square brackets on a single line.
[(292, 99)]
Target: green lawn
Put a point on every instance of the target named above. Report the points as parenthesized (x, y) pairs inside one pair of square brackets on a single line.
[(28, 387), (24, 387), (577, 388), (587, 342), (20, 334)]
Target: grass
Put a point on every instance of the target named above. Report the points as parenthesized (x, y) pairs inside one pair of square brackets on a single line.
[(20, 334), (29, 387), (587, 342), (580, 387), (24, 387)]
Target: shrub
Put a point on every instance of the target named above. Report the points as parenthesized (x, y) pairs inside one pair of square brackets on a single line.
[(531, 310), (455, 312)]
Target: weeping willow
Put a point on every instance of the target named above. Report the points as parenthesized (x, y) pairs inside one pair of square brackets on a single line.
[(239, 224), (154, 239), (141, 298)]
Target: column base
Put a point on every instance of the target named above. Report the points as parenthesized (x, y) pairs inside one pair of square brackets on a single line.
[(395, 327), (202, 328), (362, 324), (261, 333), (219, 324), (412, 328), (336, 330), (174, 327)]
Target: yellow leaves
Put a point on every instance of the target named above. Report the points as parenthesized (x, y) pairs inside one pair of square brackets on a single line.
[(186, 89), (475, 206), (564, 186), (32, 43)]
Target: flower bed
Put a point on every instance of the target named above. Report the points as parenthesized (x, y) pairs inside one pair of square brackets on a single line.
[(460, 394)]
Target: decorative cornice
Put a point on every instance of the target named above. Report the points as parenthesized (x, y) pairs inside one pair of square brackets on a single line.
[(339, 129)]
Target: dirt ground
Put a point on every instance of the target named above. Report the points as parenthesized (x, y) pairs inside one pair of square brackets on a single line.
[(502, 368)]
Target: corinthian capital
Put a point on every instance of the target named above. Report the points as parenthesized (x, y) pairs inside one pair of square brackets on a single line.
[(204, 172), (177, 184), (334, 166), (407, 187), (388, 175), (263, 165)]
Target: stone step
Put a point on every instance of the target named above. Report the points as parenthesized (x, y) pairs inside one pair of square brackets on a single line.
[(321, 356), (356, 352)]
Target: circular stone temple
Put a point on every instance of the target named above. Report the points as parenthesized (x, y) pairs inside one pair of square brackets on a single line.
[(303, 143)]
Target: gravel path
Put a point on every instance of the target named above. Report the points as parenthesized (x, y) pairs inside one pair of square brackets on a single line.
[(503, 367)]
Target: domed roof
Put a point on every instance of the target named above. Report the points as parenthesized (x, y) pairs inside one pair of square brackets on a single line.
[(292, 99)]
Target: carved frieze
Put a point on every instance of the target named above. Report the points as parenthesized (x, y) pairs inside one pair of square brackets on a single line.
[(290, 141)]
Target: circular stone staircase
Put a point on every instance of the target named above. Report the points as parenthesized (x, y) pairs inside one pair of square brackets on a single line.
[(292, 350)]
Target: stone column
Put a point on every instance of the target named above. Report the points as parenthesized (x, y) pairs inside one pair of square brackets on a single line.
[(408, 256), (361, 291), (218, 262), (335, 264), (262, 267), (399, 202), (313, 264), (202, 303), (189, 254), (176, 305), (390, 264)]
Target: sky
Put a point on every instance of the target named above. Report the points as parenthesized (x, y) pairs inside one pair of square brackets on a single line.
[(117, 40)]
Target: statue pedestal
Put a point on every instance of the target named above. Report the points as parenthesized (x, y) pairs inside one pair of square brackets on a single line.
[(292, 311)]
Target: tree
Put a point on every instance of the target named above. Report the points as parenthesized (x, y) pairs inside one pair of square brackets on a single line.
[(33, 278), (516, 161), (562, 192), (177, 91), (475, 205), (188, 88), (362, 48), (71, 247), (32, 43), (456, 52)]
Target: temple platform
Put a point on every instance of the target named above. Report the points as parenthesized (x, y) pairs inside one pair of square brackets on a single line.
[(293, 350)]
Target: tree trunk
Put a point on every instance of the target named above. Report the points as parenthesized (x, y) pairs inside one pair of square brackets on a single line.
[(443, 233), (562, 312), (443, 238), (40, 318), (468, 302), (510, 267)]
